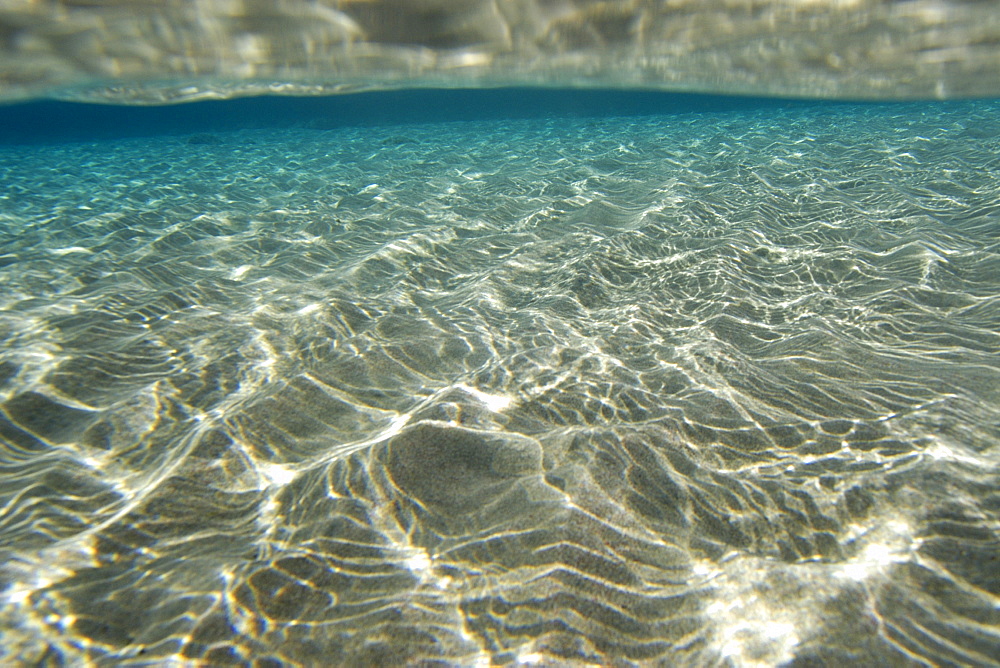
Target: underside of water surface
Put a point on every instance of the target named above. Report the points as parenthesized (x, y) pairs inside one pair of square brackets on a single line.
[(140, 52), (700, 388)]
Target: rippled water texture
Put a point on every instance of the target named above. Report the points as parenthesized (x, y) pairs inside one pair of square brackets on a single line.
[(687, 389), (141, 52)]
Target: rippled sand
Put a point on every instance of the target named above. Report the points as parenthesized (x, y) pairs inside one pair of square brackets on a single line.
[(684, 390)]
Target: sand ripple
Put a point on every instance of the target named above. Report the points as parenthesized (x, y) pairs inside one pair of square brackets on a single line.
[(689, 390)]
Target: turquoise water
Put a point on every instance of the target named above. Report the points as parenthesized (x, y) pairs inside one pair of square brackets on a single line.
[(424, 385)]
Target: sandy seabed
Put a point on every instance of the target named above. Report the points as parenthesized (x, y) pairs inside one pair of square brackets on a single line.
[(693, 389)]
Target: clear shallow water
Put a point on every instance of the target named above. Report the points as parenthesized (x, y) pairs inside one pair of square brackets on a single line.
[(690, 389)]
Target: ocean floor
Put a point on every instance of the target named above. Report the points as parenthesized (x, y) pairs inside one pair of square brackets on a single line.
[(716, 388)]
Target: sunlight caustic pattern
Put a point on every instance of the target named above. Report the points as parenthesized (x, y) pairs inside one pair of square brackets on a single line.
[(701, 389)]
